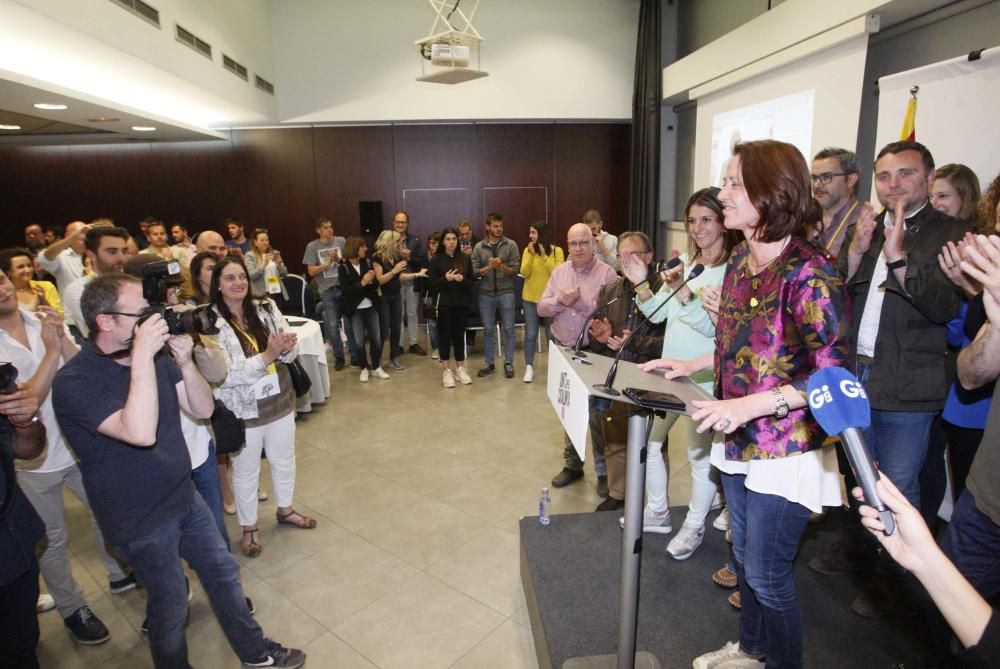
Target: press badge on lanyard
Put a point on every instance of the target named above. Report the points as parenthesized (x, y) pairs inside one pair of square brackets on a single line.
[(268, 385)]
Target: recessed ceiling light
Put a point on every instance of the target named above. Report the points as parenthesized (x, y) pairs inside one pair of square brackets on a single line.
[(143, 128), (104, 119), (49, 105), (4, 126)]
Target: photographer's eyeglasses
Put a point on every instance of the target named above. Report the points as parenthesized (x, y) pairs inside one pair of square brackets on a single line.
[(121, 313), (826, 177)]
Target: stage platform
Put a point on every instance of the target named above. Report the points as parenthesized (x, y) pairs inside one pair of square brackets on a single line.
[(570, 573)]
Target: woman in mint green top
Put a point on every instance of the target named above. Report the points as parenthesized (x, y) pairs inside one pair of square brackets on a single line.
[(690, 333), (540, 257)]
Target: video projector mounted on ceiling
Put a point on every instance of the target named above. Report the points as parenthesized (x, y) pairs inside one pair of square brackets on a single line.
[(453, 42)]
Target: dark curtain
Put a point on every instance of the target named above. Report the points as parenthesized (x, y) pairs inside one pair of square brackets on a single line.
[(644, 190)]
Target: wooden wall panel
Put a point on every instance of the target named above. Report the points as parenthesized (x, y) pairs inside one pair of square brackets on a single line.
[(592, 172), (519, 157), (351, 165), (283, 179)]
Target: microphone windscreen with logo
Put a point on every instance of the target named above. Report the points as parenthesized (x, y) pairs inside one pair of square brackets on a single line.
[(838, 401)]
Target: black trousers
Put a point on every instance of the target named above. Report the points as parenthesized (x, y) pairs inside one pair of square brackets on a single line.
[(19, 622), (963, 442), (451, 331)]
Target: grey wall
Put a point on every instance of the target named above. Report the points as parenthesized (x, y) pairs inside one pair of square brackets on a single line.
[(929, 39), (903, 50)]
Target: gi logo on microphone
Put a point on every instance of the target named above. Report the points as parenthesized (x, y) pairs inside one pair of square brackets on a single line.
[(822, 395)]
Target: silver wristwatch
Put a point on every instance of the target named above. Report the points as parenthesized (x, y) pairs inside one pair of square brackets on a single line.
[(780, 405)]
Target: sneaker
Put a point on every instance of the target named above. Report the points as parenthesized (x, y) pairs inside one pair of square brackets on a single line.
[(652, 522), (435, 355), (725, 578), (448, 379), (417, 349), (278, 656), (730, 652), (602, 486), (250, 607), (717, 502), (508, 370), (394, 363), (124, 584), (339, 365), (611, 504), (262, 495), (844, 557), (721, 521), (529, 374), (364, 375), (565, 477), (356, 365), (380, 373), (486, 371), (85, 628), (686, 542), (44, 603), (463, 376)]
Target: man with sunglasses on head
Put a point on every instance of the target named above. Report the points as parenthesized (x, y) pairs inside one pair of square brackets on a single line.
[(118, 403), (834, 176)]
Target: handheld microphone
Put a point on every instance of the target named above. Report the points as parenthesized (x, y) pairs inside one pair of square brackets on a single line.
[(839, 404), (608, 386)]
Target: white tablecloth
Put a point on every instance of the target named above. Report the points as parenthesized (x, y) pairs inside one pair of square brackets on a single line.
[(312, 356)]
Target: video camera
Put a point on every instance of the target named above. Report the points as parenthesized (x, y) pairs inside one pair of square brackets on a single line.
[(156, 276)]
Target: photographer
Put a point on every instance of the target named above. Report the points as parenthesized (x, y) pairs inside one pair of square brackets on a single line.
[(118, 403), (21, 436)]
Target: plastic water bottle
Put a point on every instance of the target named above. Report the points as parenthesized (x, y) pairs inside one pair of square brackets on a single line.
[(544, 503)]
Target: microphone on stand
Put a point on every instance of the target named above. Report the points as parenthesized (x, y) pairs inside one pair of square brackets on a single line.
[(658, 266), (839, 404), (608, 386)]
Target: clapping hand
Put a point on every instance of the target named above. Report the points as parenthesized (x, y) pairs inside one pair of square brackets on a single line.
[(600, 329), (981, 261), (863, 230), (568, 298)]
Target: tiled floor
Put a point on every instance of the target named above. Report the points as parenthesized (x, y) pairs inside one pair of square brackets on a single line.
[(418, 490)]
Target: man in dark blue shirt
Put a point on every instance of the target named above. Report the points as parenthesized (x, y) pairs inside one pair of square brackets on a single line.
[(118, 403), (23, 436)]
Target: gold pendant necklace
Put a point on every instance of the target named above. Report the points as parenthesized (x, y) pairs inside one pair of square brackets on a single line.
[(755, 279)]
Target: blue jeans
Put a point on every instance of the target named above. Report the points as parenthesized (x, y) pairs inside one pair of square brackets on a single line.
[(972, 542), (488, 305), (331, 323), (766, 533), (432, 334), (531, 324), (206, 482), (362, 321), (898, 441), (155, 559)]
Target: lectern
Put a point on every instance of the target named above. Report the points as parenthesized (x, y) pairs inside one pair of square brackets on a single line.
[(572, 380)]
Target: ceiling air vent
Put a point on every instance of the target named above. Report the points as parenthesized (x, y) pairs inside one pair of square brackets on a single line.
[(263, 84), (234, 67), (188, 38), (141, 9)]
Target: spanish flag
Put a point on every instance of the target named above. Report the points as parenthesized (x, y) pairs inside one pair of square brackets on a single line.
[(909, 131)]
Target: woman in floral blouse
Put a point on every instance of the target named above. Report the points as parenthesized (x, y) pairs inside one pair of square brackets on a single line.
[(782, 316)]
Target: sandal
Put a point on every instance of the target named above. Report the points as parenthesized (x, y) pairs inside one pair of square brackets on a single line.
[(252, 549), (305, 522)]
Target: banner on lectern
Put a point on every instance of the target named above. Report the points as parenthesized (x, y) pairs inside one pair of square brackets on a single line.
[(570, 398)]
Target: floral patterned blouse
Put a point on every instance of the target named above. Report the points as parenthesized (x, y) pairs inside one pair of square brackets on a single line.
[(775, 329)]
